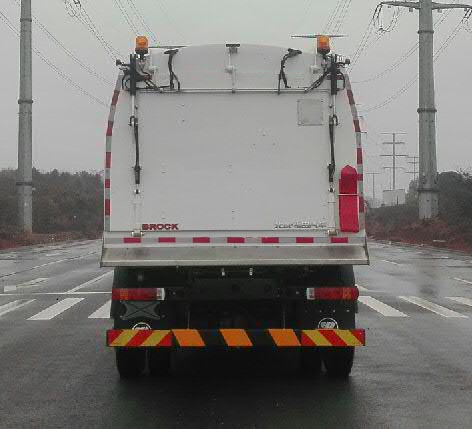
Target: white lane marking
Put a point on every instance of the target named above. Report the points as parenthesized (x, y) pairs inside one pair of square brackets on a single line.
[(361, 288), (56, 309), (431, 306), (103, 312), (90, 282), (462, 280), (34, 282), (461, 300), (14, 305), (50, 255), (56, 293), (380, 307), (389, 262)]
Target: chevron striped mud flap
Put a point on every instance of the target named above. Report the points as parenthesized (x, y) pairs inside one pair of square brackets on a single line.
[(236, 338)]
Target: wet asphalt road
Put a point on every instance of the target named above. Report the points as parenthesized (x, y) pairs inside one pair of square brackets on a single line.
[(416, 370)]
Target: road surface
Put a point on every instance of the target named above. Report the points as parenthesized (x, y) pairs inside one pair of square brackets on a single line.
[(416, 371)]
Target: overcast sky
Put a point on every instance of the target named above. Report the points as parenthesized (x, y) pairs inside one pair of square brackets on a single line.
[(68, 128)]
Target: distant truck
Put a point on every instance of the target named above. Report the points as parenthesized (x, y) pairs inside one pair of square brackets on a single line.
[(234, 208)]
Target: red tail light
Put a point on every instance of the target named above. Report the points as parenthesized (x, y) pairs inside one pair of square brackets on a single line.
[(332, 293), (140, 294), (348, 200)]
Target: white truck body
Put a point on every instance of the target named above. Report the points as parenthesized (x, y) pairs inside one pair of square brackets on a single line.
[(233, 172)]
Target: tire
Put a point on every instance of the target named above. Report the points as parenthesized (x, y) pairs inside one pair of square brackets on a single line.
[(338, 361), (310, 362), (159, 362), (130, 362)]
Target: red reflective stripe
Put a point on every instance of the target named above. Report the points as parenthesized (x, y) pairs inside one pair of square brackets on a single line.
[(270, 240), (336, 240), (305, 340), (361, 205), (235, 240), (113, 335), (332, 337), (166, 341), (132, 240), (108, 160), (166, 240), (201, 239), (357, 126), (359, 155), (305, 240), (110, 129), (359, 334), (350, 96), (114, 100), (141, 336), (107, 207), (107, 183)]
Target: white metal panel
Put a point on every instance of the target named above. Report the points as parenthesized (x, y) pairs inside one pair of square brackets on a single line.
[(223, 161)]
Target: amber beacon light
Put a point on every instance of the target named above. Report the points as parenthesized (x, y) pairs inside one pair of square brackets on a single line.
[(323, 45), (142, 45)]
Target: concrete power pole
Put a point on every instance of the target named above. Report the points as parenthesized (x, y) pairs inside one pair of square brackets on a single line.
[(428, 192), (394, 157), (373, 187), (414, 163), (25, 126)]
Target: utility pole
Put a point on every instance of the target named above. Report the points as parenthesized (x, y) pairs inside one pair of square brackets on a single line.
[(373, 186), (414, 163), (24, 179), (394, 157), (428, 191)]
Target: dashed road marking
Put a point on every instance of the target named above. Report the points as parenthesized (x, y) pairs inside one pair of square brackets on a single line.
[(463, 280), (90, 282), (34, 282), (56, 309), (431, 306), (389, 262), (103, 312), (380, 307), (14, 305), (461, 300)]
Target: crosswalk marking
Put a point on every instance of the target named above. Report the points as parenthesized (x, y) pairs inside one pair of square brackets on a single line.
[(462, 280), (90, 282), (380, 307), (56, 309), (103, 312), (461, 300), (361, 288), (431, 306), (14, 305)]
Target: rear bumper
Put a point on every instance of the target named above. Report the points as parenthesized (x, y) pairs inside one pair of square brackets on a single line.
[(235, 338), (278, 255)]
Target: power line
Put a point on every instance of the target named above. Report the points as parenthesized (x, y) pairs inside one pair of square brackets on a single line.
[(405, 55), (68, 52), (333, 15), (127, 18), (53, 66), (77, 10), (144, 23), (410, 83), (342, 16)]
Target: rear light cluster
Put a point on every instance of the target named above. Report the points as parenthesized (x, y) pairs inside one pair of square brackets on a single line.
[(332, 293), (138, 294), (348, 200)]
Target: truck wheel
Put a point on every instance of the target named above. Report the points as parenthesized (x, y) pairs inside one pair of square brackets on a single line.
[(159, 362), (310, 363), (130, 363), (338, 361)]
